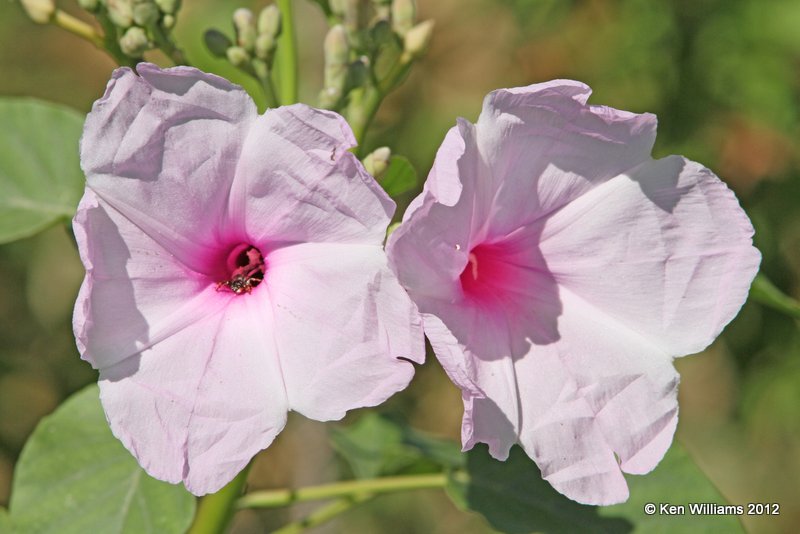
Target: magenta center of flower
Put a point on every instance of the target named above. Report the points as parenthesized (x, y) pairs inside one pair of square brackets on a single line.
[(245, 268), (490, 273)]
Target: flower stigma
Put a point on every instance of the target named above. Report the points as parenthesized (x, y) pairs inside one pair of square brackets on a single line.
[(245, 267)]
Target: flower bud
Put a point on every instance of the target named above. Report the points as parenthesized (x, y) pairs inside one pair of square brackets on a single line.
[(89, 5), (217, 43), (145, 13), (265, 46), (168, 6), (168, 21), (245, 25), (377, 161), (403, 14), (337, 56), (120, 12), (134, 42), (416, 41), (40, 11), (238, 56), (269, 21)]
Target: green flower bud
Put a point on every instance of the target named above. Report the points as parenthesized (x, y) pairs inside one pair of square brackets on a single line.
[(238, 56), (145, 13), (40, 11), (168, 6), (265, 46), (120, 12), (269, 21), (89, 5), (217, 43), (377, 161), (403, 14), (337, 55), (168, 21), (245, 25), (134, 42), (416, 40)]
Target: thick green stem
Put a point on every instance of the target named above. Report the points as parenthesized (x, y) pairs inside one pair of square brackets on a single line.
[(78, 27), (324, 514), (350, 488), (215, 511), (364, 107), (287, 54)]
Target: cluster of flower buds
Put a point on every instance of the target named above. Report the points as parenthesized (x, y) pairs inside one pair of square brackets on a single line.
[(256, 39), (130, 27), (369, 45), (137, 25)]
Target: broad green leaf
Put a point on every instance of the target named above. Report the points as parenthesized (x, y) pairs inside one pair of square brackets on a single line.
[(400, 177), (74, 477), (514, 498), (372, 446), (675, 481), (40, 176), (766, 293), (375, 445)]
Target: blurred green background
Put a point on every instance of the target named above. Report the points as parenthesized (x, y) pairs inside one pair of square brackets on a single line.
[(723, 76)]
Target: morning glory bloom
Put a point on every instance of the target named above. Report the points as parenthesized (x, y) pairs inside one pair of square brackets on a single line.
[(234, 271), (559, 269)]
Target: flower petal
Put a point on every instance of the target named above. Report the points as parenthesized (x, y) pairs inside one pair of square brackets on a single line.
[(297, 182), (135, 293), (343, 325), (665, 251), (545, 147), (162, 149), (197, 406)]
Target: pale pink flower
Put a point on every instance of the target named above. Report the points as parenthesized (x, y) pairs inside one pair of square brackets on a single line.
[(559, 269), (234, 272)]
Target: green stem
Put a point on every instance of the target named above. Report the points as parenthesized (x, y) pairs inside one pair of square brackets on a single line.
[(215, 511), (324, 514), (110, 42), (765, 292), (362, 110), (166, 45), (349, 488), (287, 54), (78, 27)]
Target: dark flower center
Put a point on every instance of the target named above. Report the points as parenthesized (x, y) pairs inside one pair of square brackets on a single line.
[(245, 267)]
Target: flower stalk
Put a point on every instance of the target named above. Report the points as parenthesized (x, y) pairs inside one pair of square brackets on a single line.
[(287, 54), (349, 488), (216, 510)]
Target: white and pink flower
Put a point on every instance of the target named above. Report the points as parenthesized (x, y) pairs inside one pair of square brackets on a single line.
[(559, 269), (235, 271)]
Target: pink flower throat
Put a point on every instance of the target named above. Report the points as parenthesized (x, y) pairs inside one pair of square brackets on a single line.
[(245, 269)]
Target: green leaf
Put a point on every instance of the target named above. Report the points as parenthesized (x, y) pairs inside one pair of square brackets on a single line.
[(765, 292), (40, 176), (678, 481), (372, 446), (514, 498), (74, 477), (400, 177), (375, 445)]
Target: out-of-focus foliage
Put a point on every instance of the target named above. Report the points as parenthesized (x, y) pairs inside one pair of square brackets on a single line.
[(723, 77), (40, 176), (74, 476)]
